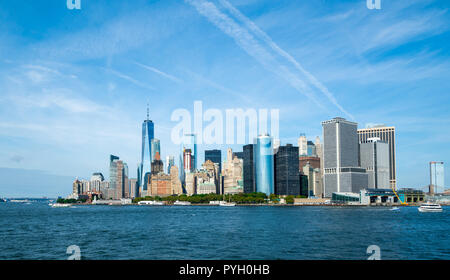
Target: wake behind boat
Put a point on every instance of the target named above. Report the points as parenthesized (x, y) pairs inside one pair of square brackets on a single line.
[(430, 207), (58, 205)]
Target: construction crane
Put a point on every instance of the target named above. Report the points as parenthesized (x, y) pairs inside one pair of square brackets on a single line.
[(401, 202)]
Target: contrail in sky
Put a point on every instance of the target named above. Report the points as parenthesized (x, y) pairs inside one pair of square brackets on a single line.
[(248, 36)]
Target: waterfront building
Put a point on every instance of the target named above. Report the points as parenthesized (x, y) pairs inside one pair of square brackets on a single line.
[(211, 169), (125, 184), (340, 148), (314, 185), (161, 184), (96, 181), (232, 174), (374, 157), (134, 188), (249, 169), (436, 177), (386, 134), (146, 153), (303, 185), (264, 171), (378, 196), (77, 187), (190, 183), (302, 145), (175, 181), (287, 176), (409, 195)]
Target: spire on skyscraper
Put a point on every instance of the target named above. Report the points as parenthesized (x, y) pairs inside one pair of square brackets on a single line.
[(147, 112)]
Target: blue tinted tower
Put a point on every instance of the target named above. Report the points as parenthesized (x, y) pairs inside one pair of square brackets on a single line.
[(146, 155), (264, 169)]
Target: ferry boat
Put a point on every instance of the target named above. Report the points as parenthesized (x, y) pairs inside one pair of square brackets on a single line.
[(182, 203), (227, 204), (430, 207), (151, 202)]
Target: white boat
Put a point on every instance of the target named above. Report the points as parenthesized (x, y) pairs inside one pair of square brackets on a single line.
[(395, 209), (227, 204), (182, 203), (151, 202), (57, 205), (430, 207)]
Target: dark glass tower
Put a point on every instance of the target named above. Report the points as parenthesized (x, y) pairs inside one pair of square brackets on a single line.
[(146, 155), (214, 156), (287, 175), (249, 169)]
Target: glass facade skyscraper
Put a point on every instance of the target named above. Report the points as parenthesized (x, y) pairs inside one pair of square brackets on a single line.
[(214, 156), (146, 155), (437, 176), (264, 164), (287, 175), (155, 148), (249, 168), (190, 142)]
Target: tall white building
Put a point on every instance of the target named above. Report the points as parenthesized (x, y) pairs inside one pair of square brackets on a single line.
[(302, 145)]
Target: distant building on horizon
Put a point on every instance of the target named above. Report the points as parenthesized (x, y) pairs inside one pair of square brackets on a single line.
[(386, 134), (436, 177), (340, 149)]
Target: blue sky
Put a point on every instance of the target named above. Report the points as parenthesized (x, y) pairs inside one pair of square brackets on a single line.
[(74, 84)]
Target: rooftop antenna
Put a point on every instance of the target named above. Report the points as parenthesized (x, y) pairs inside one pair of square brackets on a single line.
[(147, 112)]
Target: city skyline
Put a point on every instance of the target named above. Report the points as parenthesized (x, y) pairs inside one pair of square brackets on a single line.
[(71, 94)]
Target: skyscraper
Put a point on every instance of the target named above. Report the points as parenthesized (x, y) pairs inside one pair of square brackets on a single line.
[(146, 155), (155, 147), (374, 157), (302, 145), (287, 175), (436, 177), (117, 174), (190, 142), (264, 164), (386, 134), (249, 168), (340, 149), (214, 156), (170, 161)]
